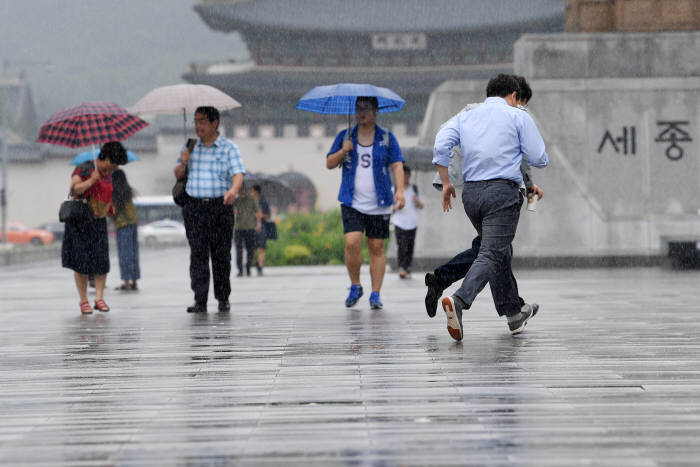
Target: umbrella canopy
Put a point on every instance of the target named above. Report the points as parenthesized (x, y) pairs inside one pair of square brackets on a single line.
[(183, 99), (339, 99), (92, 155), (275, 191), (90, 123)]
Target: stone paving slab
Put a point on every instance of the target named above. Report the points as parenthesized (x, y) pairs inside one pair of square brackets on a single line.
[(607, 374)]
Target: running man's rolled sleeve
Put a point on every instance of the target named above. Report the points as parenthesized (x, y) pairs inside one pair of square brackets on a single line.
[(531, 143), (445, 140)]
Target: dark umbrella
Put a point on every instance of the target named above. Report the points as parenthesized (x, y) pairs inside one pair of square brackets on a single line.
[(303, 188), (90, 123), (273, 190)]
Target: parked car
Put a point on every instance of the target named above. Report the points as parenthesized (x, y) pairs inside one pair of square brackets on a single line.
[(56, 228), (19, 233), (161, 232)]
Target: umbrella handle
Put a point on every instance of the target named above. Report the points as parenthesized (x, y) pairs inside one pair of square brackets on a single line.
[(348, 157)]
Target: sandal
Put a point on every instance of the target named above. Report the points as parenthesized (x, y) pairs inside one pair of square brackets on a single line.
[(85, 308), (100, 305)]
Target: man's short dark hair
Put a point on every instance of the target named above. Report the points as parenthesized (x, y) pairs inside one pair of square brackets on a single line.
[(115, 152), (256, 188), (210, 112), (502, 86), (407, 169), (525, 92), (371, 99)]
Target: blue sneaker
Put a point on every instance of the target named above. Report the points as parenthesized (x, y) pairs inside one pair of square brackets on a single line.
[(354, 295), (374, 302)]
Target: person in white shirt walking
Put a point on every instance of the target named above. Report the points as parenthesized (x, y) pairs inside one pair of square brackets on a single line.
[(405, 222)]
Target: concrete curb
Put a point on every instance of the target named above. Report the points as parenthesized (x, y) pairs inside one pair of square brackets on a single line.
[(21, 254)]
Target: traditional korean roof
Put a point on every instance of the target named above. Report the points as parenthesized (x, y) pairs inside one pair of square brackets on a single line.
[(361, 16)]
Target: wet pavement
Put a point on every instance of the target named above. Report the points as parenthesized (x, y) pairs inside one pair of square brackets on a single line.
[(608, 373)]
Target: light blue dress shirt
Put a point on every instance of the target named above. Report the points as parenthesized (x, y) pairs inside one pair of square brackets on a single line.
[(494, 138), (211, 169)]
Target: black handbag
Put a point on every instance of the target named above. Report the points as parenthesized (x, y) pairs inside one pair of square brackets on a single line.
[(179, 193), (75, 211), (270, 229)]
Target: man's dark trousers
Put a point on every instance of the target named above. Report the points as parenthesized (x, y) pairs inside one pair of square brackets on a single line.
[(247, 239), (456, 269), (405, 241), (493, 207), (209, 226)]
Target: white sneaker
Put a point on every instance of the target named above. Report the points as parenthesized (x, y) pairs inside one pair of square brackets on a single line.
[(454, 318)]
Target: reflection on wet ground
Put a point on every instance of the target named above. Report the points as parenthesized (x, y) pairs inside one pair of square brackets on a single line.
[(607, 374)]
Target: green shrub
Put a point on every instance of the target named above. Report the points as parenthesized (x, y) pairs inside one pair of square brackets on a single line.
[(315, 238), (297, 254)]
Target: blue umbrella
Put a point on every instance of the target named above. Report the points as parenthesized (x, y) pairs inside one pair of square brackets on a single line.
[(339, 99), (92, 155)]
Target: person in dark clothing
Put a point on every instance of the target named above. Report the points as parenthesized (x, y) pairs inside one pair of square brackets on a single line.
[(261, 226), (244, 233)]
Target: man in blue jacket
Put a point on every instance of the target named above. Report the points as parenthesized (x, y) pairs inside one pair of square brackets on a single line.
[(366, 155)]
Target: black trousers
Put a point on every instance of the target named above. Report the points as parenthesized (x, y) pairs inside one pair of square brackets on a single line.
[(209, 226), (247, 239), (405, 240)]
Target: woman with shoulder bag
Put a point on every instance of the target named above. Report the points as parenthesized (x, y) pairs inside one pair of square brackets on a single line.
[(85, 248)]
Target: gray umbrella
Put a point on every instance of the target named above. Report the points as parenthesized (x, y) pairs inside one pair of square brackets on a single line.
[(273, 190)]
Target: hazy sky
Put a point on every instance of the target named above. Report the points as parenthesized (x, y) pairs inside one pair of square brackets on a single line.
[(105, 49)]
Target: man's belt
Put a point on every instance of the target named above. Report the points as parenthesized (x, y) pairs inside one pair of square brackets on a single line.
[(498, 180), (220, 199)]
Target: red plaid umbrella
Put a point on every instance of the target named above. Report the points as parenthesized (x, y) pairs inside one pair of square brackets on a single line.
[(90, 123)]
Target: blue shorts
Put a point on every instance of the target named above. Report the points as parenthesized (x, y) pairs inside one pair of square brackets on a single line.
[(260, 239), (374, 226)]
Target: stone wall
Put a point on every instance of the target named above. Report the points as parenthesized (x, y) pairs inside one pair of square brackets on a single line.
[(609, 55), (632, 15)]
